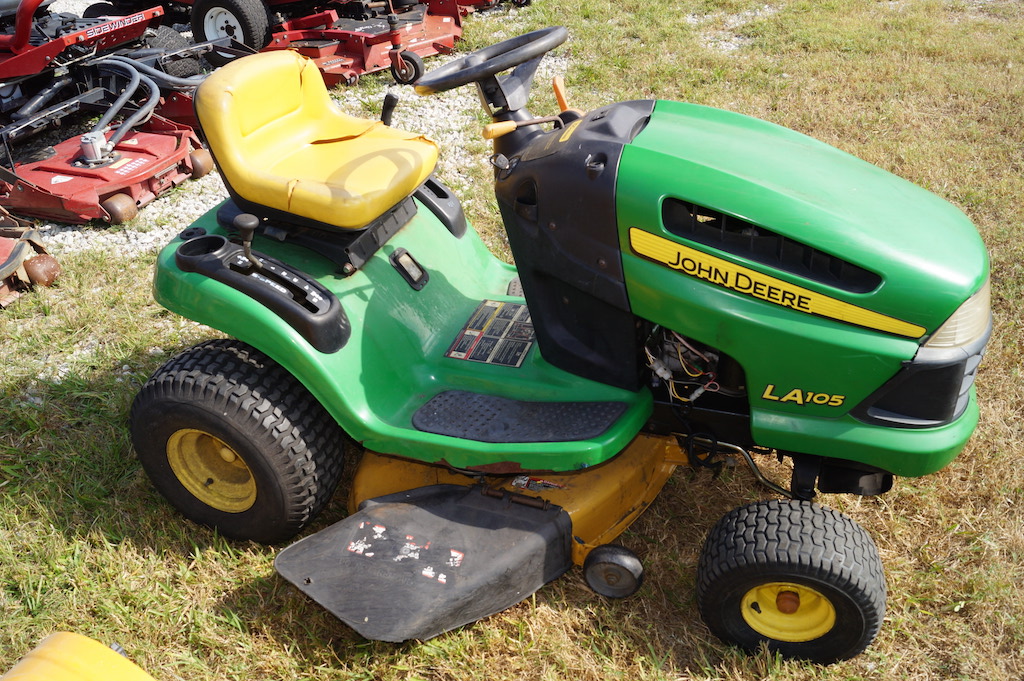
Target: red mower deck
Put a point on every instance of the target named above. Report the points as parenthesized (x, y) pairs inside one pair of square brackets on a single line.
[(145, 164), (132, 72), (344, 48)]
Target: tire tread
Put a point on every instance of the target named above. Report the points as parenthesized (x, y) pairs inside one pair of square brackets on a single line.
[(813, 541), (253, 390)]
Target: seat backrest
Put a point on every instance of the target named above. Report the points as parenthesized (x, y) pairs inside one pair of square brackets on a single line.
[(256, 107), (283, 145)]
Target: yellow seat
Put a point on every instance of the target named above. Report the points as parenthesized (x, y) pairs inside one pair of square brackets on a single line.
[(280, 142), (65, 656)]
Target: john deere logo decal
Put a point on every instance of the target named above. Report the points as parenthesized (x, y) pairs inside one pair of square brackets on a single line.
[(750, 282)]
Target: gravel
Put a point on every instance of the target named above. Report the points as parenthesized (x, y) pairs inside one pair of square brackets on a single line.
[(449, 118)]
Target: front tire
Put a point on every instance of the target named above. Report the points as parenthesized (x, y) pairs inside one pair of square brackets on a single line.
[(233, 441), (805, 580)]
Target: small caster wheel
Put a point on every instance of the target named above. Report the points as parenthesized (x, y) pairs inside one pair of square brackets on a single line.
[(613, 571), (120, 207), (202, 163), (410, 70), (42, 269)]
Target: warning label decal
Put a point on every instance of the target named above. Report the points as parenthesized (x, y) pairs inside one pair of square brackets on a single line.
[(496, 333)]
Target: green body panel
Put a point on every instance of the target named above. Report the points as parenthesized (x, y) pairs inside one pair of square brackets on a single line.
[(818, 195), (804, 373), (394, 362), (928, 253)]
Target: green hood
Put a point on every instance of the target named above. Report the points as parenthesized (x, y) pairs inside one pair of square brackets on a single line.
[(928, 253)]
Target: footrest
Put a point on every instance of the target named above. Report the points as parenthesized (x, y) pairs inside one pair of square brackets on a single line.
[(415, 564), (488, 418)]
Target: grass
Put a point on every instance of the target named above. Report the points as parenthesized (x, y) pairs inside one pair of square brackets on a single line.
[(930, 89)]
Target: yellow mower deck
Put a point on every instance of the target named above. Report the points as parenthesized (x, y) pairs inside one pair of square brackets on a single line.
[(601, 501)]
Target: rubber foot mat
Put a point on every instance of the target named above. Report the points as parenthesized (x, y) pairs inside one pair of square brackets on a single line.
[(489, 418), (415, 564)]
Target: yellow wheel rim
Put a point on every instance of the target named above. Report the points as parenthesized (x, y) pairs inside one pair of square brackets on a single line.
[(788, 612), (211, 471)]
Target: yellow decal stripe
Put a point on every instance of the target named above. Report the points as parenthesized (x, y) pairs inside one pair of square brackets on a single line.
[(569, 131), (753, 283)]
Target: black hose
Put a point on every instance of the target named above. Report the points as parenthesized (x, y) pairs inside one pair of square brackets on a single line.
[(144, 111), (42, 98), (142, 115), (158, 75), (133, 85)]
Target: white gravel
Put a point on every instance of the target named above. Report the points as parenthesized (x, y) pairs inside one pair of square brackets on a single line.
[(449, 118)]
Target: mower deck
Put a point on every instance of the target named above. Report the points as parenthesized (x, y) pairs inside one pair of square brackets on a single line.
[(601, 501), (147, 162), (56, 65), (345, 48), (426, 549)]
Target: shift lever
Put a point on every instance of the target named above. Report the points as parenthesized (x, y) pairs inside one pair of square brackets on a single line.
[(246, 224)]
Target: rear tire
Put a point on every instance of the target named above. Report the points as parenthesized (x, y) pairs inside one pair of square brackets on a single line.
[(805, 580), (167, 39), (235, 442), (99, 9), (246, 21)]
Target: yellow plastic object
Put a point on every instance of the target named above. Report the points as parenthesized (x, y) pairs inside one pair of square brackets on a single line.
[(211, 470), (72, 657), (280, 141), (496, 130), (788, 612), (601, 501)]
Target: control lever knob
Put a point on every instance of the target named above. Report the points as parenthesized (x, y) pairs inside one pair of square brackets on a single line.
[(246, 225)]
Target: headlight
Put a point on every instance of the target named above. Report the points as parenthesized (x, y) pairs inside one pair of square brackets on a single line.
[(967, 324)]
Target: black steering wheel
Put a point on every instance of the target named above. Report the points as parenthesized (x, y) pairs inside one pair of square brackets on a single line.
[(492, 60)]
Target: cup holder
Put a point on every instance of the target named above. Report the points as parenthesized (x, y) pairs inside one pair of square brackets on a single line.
[(194, 254), (210, 243)]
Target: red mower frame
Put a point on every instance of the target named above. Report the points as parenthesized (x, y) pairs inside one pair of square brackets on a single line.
[(53, 65)]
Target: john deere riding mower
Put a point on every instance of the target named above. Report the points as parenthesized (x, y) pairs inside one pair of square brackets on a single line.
[(689, 285)]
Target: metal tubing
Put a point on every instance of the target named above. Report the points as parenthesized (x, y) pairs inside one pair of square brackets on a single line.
[(736, 449)]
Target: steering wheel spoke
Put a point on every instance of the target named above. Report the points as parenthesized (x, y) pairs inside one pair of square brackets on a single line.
[(485, 64)]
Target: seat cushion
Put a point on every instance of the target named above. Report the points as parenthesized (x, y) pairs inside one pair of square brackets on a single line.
[(280, 141)]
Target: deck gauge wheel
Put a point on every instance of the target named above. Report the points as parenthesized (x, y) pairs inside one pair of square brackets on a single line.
[(411, 68), (613, 571)]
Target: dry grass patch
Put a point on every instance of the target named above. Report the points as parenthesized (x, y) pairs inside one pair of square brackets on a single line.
[(930, 89)]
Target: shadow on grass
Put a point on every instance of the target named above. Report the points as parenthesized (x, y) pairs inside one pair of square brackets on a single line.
[(68, 465), (564, 630)]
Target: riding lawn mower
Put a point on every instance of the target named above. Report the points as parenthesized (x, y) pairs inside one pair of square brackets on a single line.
[(132, 73), (346, 38), (691, 286)]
